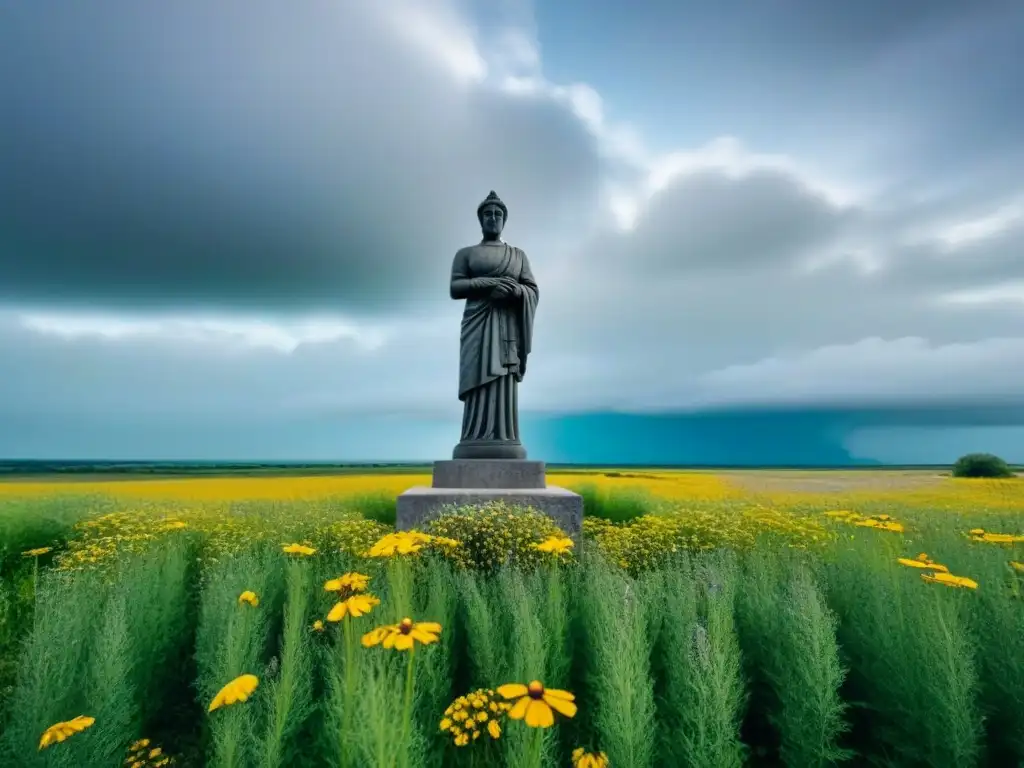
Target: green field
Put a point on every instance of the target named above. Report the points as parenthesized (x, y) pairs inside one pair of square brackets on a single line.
[(711, 619)]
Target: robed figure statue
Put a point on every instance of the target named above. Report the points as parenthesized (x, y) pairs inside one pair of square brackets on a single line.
[(497, 329)]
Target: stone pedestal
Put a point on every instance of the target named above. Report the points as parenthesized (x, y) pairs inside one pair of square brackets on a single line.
[(489, 449), (474, 482)]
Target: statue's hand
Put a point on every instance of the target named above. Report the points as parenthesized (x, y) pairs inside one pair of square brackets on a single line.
[(506, 288)]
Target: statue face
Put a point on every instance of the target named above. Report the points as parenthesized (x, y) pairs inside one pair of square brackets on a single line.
[(492, 220)]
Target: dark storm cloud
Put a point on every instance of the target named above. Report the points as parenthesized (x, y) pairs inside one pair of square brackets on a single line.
[(981, 263), (190, 155), (709, 219), (913, 90)]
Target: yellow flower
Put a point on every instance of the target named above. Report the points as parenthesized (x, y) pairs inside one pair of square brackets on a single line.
[(923, 562), (249, 597), (494, 729), (237, 690), (881, 525), (582, 759), (556, 545), (950, 580), (140, 744), (353, 582), (355, 606), (36, 552), (404, 635), (1017, 566), (399, 543), (445, 541), (999, 538), (976, 532), (64, 730), (534, 703), (297, 549), (318, 626)]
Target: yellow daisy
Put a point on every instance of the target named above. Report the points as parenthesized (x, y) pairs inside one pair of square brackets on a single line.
[(556, 545), (583, 759), (534, 703), (355, 606), (352, 582), (297, 549), (950, 580), (404, 635), (239, 689), (65, 730)]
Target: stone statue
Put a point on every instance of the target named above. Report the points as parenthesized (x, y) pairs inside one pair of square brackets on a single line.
[(497, 330)]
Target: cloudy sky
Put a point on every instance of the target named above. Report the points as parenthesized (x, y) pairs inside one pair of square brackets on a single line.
[(226, 229)]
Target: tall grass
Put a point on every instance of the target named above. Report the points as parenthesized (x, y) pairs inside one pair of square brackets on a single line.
[(232, 639), (286, 701), (769, 655), (912, 660), (619, 685), (789, 639)]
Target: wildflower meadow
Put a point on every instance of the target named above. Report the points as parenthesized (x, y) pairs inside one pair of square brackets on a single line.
[(699, 620)]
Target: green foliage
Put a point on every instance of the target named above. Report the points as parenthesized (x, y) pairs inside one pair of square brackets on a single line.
[(789, 640), (379, 507), (495, 535), (614, 505), (618, 675), (232, 640), (760, 654), (287, 697), (981, 465)]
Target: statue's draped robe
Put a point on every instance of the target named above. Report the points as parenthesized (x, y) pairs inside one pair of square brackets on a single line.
[(495, 341)]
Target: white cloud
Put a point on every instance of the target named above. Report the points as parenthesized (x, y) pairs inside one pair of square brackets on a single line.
[(972, 230), (875, 369), (282, 336), (1005, 293)]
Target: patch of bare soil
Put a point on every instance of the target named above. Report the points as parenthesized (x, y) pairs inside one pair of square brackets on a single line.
[(827, 481)]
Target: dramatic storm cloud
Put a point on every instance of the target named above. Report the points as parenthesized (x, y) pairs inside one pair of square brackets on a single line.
[(226, 230)]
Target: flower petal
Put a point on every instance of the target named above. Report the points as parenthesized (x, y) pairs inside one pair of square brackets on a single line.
[(557, 694), (562, 706), (518, 710), (539, 714), (512, 690)]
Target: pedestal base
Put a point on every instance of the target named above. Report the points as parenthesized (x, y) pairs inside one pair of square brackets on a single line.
[(419, 504), (489, 473), (489, 449)]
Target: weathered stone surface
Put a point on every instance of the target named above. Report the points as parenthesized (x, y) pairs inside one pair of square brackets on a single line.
[(419, 504), (489, 473), (489, 463), (496, 337)]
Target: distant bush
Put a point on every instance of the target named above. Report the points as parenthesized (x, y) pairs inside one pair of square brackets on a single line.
[(981, 465), (618, 505), (380, 507)]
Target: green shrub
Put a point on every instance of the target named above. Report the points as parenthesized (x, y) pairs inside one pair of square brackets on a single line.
[(981, 465), (495, 534), (617, 506), (380, 507)]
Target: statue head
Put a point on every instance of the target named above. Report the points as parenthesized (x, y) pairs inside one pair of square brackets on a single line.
[(492, 215)]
